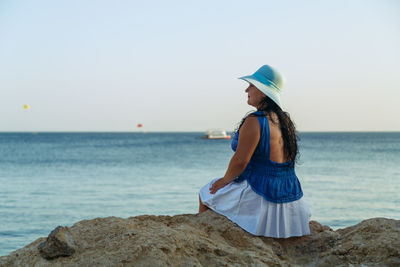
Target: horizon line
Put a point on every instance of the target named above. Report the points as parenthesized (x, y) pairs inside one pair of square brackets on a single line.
[(312, 131)]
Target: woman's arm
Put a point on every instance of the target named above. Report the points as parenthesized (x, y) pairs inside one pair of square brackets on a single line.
[(249, 135)]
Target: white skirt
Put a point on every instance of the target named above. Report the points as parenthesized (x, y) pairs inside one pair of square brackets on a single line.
[(258, 216)]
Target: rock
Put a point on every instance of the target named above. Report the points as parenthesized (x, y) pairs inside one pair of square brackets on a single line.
[(209, 239), (58, 243)]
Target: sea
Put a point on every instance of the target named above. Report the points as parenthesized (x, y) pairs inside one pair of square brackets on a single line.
[(52, 179)]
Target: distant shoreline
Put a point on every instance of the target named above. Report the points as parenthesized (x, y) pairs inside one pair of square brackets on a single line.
[(169, 132)]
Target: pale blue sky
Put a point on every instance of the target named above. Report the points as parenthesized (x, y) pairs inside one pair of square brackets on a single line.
[(173, 65)]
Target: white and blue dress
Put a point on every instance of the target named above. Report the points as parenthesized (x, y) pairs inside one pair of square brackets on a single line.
[(266, 198)]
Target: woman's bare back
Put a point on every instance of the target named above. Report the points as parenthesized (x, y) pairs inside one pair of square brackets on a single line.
[(276, 150)]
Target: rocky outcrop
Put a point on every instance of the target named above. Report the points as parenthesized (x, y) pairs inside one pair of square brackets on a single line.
[(207, 239), (58, 243)]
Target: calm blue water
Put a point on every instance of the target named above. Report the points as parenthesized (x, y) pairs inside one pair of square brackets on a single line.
[(51, 179)]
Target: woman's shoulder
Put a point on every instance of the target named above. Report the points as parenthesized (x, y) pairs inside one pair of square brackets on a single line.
[(258, 117), (257, 113), (251, 120), (250, 123)]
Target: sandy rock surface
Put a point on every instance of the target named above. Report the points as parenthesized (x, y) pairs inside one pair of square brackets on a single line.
[(209, 239)]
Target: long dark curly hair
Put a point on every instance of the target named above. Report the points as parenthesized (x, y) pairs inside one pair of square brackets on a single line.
[(288, 129)]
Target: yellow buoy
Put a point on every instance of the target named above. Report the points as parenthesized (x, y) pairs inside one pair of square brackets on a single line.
[(27, 106)]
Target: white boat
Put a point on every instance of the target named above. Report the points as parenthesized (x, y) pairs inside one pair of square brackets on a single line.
[(217, 134)]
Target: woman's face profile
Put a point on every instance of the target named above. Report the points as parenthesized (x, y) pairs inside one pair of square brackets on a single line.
[(254, 96)]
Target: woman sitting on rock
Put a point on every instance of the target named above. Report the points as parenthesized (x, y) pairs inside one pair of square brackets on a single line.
[(260, 190)]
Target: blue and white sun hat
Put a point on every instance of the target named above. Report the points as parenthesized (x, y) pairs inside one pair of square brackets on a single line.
[(269, 81)]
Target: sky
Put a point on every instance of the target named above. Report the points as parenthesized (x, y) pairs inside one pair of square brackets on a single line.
[(173, 65)]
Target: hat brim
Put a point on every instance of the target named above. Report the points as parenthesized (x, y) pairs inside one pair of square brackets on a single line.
[(267, 88)]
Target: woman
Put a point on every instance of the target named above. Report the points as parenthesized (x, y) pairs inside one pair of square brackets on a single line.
[(260, 190)]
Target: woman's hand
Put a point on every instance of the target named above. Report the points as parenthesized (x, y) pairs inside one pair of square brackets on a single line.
[(218, 184)]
